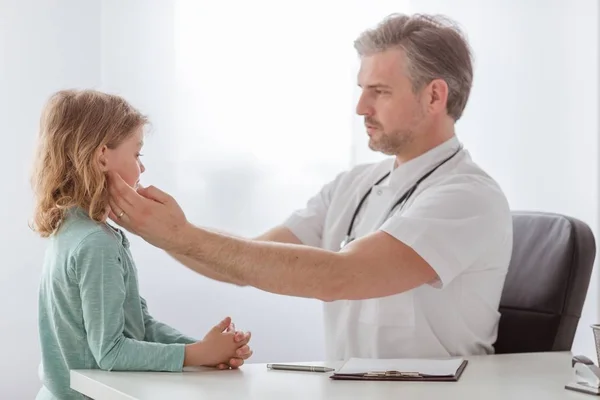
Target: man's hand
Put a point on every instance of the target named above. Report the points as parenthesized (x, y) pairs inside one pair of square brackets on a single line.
[(149, 212)]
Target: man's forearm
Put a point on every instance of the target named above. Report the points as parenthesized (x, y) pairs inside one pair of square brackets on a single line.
[(277, 234), (274, 267), (203, 269)]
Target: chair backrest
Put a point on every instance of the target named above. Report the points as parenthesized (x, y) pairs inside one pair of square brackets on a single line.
[(547, 282)]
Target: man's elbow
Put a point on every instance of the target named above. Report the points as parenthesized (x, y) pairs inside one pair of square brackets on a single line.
[(237, 282), (339, 283), (346, 289), (328, 298), (333, 290)]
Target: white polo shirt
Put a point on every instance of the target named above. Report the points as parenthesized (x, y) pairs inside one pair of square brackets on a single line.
[(458, 220)]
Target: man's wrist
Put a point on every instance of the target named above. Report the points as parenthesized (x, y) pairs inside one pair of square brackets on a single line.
[(182, 240)]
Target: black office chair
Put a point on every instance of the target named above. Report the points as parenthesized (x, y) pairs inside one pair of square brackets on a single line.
[(547, 282)]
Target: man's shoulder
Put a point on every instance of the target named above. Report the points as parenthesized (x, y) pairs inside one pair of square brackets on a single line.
[(364, 172), (470, 186), (471, 176)]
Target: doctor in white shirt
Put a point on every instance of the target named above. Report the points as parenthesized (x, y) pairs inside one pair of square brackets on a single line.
[(409, 254)]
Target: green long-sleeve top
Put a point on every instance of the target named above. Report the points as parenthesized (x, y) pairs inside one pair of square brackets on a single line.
[(91, 314)]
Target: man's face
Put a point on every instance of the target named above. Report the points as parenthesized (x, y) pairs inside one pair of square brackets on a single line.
[(393, 113)]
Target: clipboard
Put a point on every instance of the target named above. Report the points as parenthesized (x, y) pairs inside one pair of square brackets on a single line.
[(401, 376)]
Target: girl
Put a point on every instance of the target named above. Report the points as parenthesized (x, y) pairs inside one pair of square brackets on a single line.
[(91, 314)]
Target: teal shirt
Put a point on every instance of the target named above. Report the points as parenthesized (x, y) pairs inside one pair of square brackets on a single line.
[(91, 314)]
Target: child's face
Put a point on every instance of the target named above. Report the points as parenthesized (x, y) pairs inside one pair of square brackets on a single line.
[(125, 158)]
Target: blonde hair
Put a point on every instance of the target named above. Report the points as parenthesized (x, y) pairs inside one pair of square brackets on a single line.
[(435, 48), (74, 126)]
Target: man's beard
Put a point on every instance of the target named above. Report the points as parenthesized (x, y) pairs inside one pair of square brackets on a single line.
[(392, 143)]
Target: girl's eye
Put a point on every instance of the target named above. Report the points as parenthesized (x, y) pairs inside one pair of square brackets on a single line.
[(139, 154)]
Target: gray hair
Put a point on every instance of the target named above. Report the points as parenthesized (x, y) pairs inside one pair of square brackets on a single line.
[(435, 48)]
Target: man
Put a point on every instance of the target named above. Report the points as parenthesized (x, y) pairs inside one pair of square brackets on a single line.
[(409, 254)]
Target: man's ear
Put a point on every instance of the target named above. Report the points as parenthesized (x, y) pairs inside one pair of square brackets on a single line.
[(102, 159), (437, 96)]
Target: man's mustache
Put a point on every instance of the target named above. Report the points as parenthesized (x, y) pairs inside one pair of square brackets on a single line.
[(372, 122)]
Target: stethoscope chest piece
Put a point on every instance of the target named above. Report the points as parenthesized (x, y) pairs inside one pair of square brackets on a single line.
[(347, 240)]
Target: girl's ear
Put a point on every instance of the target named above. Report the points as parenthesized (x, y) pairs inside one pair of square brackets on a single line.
[(102, 159)]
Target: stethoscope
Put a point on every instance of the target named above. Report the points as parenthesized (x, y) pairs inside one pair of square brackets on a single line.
[(401, 201)]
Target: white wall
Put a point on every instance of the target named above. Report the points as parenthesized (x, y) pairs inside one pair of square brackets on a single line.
[(139, 37), (532, 119), (44, 46)]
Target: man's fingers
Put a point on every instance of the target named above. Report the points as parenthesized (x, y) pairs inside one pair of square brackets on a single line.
[(123, 195), (116, 212), (118, 215), (112, 215), (154, 193), (222, 366)]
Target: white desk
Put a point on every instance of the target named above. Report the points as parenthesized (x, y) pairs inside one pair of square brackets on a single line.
[(519, 376)]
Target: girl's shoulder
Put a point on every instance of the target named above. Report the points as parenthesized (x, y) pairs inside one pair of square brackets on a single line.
[(79, 231)]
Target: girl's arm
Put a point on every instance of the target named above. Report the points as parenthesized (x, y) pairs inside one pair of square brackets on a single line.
[(159, 332), (97, 263)]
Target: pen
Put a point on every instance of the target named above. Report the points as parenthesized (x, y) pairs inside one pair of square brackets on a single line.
[(307, 368)]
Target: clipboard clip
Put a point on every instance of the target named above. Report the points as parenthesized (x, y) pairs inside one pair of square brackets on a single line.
[(389, 374)]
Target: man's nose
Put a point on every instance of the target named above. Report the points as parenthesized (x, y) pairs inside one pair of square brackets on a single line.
[(363, 107)]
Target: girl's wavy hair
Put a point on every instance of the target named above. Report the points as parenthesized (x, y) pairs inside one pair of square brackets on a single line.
[(74, 126)]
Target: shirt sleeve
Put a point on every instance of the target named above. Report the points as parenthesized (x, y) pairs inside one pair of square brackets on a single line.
[(307, 224), (453, 224), (102, 290), (159, 332)]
